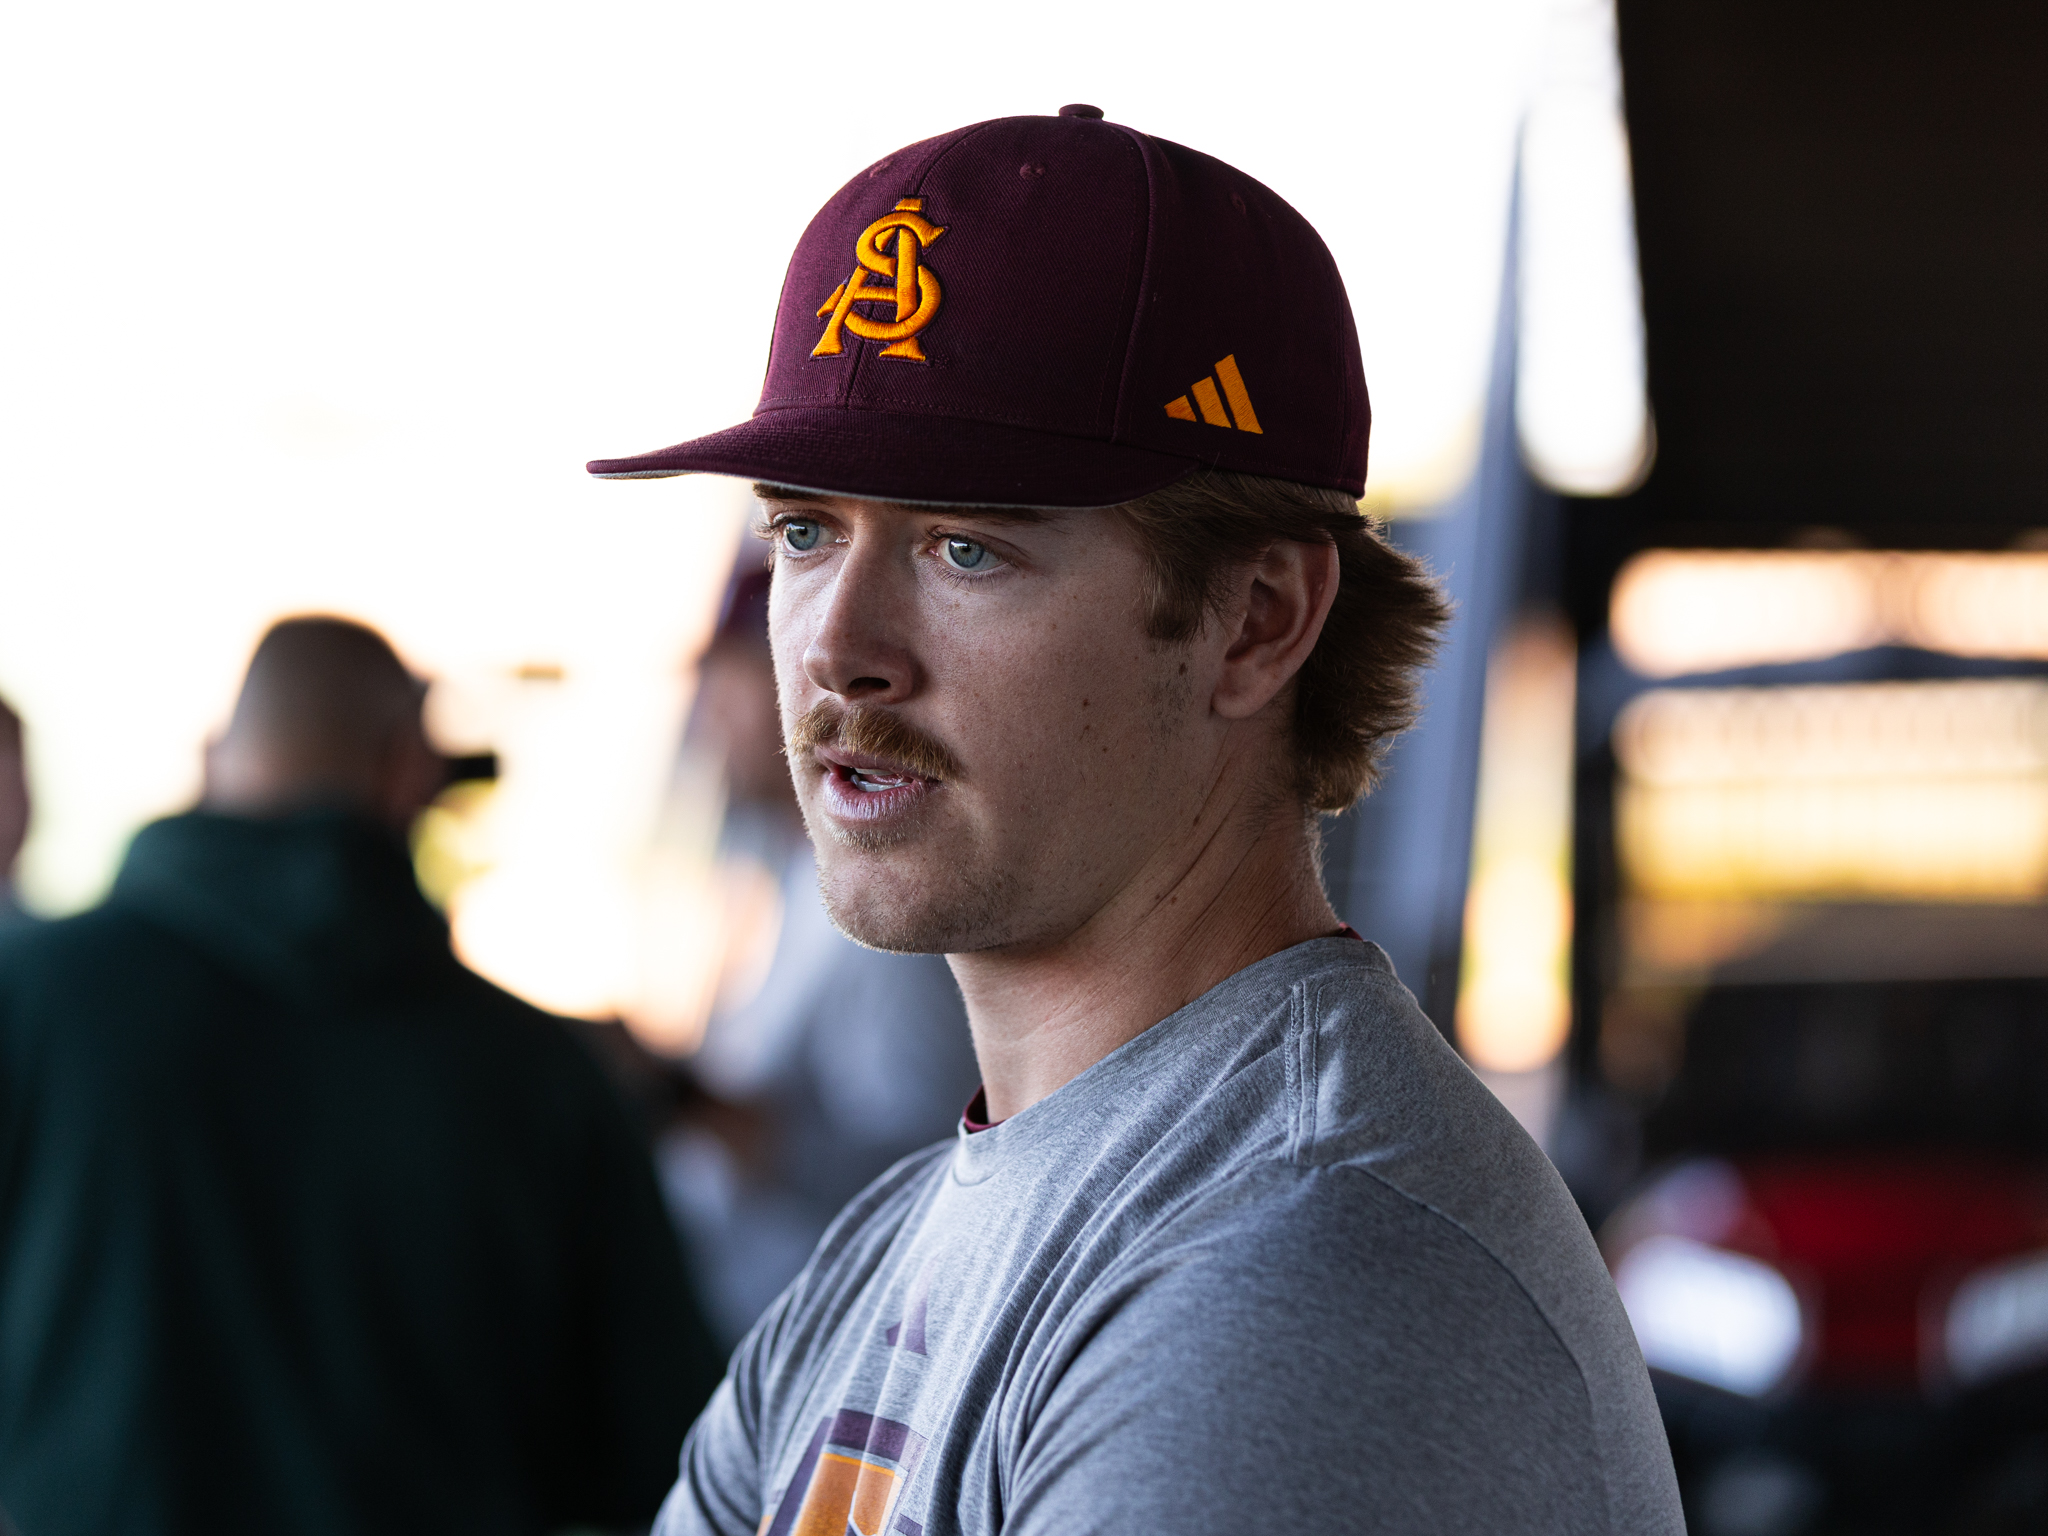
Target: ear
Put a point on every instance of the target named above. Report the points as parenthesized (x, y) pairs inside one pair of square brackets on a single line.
[(1284, 596)]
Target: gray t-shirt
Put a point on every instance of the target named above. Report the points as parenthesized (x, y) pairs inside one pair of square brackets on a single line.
[(1279, 1263)]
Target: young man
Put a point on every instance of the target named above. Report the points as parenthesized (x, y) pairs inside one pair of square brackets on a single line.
[(1077, 627)]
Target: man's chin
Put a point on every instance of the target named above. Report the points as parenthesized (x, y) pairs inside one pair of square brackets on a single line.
[(848, 837), (905, 907)]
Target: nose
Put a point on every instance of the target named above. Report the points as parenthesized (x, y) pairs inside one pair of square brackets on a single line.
[(859, 646)]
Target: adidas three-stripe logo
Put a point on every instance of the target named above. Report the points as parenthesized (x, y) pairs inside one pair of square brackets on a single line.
[(1241, 416)]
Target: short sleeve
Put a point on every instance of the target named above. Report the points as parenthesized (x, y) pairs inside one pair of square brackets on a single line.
[(720, 1490)]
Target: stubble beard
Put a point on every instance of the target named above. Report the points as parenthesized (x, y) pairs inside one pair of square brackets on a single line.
[(910, 887), (925, 889), (881, 895)]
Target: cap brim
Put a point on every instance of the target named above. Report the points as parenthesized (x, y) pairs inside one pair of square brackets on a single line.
[(892, 456)]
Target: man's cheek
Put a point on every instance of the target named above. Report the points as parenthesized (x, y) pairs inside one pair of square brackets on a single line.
[(786, 645), (1056, 750)]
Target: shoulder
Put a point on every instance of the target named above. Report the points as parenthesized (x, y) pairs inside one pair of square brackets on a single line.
[(1344, 1266), (1388, 1274), (1313, 1345), (1381, 1096), (1393, 1103), (1327, 1351), (75, 969), (1409, 1287), (1349, 1073)]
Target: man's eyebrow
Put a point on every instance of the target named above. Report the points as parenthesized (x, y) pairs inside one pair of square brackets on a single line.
[(781, 494)]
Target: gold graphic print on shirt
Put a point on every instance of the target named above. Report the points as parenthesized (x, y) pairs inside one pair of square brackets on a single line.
[(850, 1479)]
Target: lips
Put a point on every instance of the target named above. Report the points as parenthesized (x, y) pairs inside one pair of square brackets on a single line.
[(861, 787)]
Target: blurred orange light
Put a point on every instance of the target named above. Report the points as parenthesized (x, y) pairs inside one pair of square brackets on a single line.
[(1514, 1006), (1684, 611), (1973, 605), (1922, 791), (1680, 611)]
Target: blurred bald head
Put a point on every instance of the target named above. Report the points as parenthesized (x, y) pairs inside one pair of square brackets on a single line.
[(328, 715)]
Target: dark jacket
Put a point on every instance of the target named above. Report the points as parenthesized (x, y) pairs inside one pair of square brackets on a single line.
[(305, 1228)]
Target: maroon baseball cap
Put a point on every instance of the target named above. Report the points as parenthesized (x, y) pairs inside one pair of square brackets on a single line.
[(1048, 311)]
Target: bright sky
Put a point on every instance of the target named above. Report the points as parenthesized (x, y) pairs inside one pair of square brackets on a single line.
[(324, 306)]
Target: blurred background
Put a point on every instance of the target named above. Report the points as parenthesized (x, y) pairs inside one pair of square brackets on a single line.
[(1705, 345)]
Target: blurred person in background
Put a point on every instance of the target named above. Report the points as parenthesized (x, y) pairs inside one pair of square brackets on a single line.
[(14, 810), (840, 1062), (304, 1226)]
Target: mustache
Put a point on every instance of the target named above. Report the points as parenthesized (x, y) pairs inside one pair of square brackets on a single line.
[(874, 732)]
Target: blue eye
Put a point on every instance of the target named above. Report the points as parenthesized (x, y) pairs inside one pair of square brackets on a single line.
[(801, 534), (965, 555)]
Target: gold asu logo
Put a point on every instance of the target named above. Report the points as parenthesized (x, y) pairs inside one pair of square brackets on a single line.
[(910, 285)]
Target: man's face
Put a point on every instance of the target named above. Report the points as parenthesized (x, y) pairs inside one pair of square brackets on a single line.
[(1012, 750)]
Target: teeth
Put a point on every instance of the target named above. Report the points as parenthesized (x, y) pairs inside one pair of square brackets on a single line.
[(875, 782)]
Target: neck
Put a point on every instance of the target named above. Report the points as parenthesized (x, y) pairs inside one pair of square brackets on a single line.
[(1043, 1014)]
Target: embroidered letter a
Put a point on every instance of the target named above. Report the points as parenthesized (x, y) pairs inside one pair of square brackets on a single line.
[(911, 287)]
